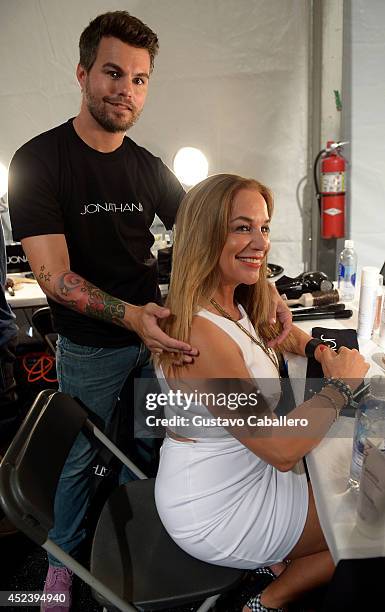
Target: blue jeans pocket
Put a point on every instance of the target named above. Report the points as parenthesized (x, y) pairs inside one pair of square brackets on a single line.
[(67, 348)]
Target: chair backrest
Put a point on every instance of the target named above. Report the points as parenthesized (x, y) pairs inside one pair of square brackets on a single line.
[(31, 467), (41, 319), (42, 322)]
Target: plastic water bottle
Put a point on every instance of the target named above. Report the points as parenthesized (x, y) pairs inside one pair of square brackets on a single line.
[(370, 422), (347, 270)]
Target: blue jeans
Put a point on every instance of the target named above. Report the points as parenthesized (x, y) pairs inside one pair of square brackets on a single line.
[(96, 376)]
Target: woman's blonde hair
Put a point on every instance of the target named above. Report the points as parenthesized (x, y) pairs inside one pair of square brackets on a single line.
[(202, 227)]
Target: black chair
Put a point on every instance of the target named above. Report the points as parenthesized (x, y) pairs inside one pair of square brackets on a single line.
[(135, 565), (42, 322)]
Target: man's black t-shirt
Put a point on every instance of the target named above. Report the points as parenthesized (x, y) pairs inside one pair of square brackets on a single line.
[(104, 204)]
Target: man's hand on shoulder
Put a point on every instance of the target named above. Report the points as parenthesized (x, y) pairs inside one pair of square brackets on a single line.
[(144, 321), (49, 260)]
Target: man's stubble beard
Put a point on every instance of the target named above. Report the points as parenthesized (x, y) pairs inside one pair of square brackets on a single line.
[(98, 111)]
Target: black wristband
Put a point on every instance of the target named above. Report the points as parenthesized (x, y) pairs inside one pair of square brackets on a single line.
[(311, 347)]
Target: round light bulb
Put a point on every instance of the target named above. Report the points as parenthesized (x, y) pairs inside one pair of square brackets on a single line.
[(3, 180), (190, 166)]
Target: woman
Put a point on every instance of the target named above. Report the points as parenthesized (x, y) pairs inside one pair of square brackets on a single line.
[(237, 495)]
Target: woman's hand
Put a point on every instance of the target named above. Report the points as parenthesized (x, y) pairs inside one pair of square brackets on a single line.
[(347, 364)]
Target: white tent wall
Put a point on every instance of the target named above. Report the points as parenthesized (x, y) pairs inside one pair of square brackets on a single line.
[(367, 224), (231, 78)]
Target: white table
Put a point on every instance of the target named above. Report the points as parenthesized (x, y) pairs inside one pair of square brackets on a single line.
[(27, 295), (329, 462), (328, 466)]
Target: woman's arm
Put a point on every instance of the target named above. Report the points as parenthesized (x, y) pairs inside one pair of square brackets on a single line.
[(221, 358), (296, 342)]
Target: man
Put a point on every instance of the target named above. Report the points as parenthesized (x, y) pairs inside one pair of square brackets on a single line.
[(82, 198)]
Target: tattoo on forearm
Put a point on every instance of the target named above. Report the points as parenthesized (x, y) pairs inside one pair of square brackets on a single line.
[(102, 305), (74, 291), (44, 274)]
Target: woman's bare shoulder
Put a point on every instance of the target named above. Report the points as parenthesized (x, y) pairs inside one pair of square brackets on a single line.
[(219, 355), (210, 335)]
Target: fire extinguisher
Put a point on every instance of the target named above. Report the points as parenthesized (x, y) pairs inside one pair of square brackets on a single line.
[(331, 196)]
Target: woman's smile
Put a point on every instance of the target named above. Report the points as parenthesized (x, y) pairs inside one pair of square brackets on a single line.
[(247, 241)]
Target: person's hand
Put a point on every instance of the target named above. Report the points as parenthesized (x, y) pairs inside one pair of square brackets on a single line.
[(144, 321), (347, 364), (281, 311), (320, 350)]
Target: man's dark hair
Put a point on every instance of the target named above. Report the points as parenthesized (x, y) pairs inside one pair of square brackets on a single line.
[(121, 25)]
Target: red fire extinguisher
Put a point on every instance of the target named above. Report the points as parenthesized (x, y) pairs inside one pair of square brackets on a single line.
[(332, 192)]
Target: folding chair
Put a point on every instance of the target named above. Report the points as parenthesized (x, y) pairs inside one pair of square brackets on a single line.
[(42, 322), (135, 565)]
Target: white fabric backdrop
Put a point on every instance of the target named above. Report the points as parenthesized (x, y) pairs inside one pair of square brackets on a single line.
[(231, 78), (368, 131)]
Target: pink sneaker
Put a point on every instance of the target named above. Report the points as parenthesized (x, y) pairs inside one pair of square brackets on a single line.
[(57, 589)]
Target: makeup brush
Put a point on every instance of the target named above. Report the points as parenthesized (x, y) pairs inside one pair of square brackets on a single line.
[(327, 308), (317, 298), (311, 316)]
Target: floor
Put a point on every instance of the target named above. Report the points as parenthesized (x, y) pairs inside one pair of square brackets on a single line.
[(24, 567)]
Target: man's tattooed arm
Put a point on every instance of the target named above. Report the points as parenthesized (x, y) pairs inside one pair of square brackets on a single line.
[(76, 293), (50, 262), (44, 275)]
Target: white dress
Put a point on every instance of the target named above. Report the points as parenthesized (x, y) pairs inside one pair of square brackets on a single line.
[(219, 501)]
